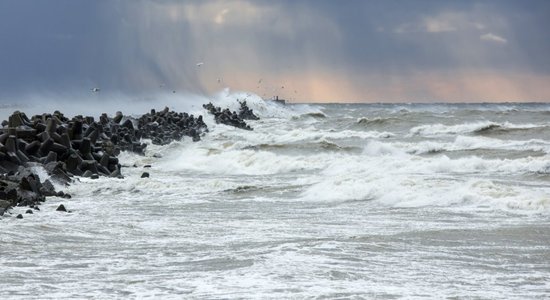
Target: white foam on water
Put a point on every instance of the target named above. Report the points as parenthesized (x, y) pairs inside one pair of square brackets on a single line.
[(462, 142), (247, 162), (264, 109), (389, 175), (221, 218), (439, 129)]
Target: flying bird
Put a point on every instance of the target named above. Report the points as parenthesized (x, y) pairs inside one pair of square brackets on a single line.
[(200, 64), (95, 90)]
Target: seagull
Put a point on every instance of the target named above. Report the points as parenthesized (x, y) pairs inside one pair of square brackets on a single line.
[(200, 64), (95, 90)]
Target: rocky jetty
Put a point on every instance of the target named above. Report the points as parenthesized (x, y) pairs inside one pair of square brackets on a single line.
[(86, 147), (227, 117), (166, 126), (245, 112), (24, 188), (80, 146)]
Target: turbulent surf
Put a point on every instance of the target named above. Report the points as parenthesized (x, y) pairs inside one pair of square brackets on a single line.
[(327, 201)]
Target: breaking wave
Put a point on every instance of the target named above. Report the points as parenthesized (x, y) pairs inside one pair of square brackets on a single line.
[(376, 121), (469, 128)]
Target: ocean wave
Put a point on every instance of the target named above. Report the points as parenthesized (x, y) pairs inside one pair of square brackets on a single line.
[(309, 116), (238, 162), (320, 145), (376, 121), (469, 143), (264, 109), (317, 115), (389, 175), (475, 128)]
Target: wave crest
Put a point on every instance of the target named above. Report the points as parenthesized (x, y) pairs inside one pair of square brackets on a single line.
[(471, 128)]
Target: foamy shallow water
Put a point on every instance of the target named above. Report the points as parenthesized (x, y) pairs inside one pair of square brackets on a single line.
[(424, 202)]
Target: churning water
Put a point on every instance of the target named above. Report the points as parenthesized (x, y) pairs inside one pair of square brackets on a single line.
[(319, 201)]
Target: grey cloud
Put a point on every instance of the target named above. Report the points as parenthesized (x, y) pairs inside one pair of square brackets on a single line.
[(139, 45), (493, 38)]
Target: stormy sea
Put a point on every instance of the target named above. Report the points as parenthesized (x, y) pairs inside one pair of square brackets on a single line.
[(318, 201)]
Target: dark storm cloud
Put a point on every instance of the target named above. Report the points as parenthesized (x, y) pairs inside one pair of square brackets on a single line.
[(356, 48), (379, 34)]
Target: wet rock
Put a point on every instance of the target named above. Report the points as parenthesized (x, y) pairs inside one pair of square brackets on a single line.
[(19, 216), (47, 188), (145, 175), (226, 117), (4, 204), (246, 113), (88, 174), (29, 211), (78, 146), (116, 173), (61, 207)]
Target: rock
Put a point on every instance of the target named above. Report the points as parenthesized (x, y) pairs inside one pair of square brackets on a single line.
[(46, 146), (246, 113), (118, 117), (22, 156), (47, 188), (51, 125), (27, 184), (19, 216), (32, 147), (226, 117), (15, 120), (11, 144), (61, 207), (72, 162), (29, 211), (116, 173), (51, 157), (4, 204), (80, 146), (104, 160), (85, 146)]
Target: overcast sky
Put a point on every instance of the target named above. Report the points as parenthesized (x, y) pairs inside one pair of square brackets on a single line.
[(360, 51)]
